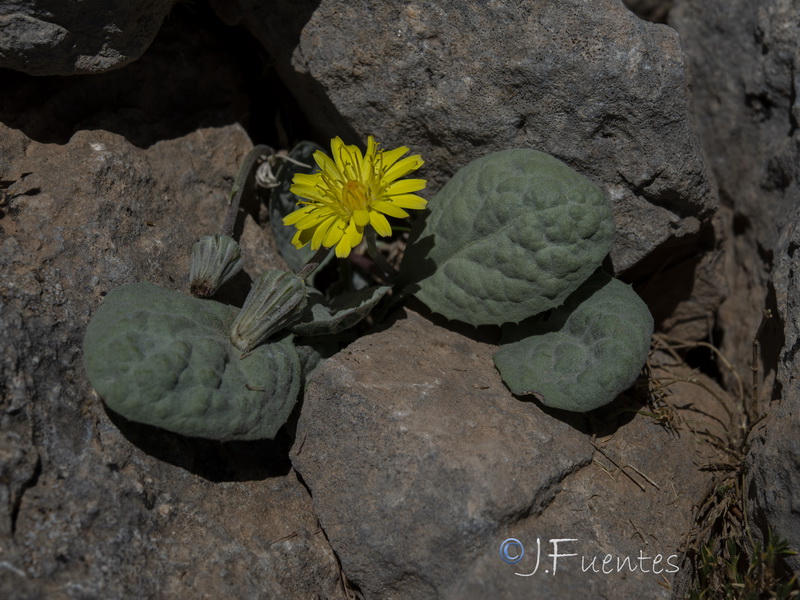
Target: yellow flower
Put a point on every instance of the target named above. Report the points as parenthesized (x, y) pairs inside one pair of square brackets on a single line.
[(352, 191)]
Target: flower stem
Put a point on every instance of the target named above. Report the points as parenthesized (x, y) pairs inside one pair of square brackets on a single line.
[(372, 248), (313, 263), (251, 161)]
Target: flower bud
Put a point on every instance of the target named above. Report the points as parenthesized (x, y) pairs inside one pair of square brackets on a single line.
[(276, 301), (215, 259)]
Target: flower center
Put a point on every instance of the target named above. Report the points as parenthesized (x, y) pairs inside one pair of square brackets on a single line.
[(354, 195)]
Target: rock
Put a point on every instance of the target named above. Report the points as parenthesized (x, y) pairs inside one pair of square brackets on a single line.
[(587, 82), (743, 87), (64, 38), (92, 505), (420, 464), (189, 79), (743, 61), (684, 297), (773, 464), (93, 194)]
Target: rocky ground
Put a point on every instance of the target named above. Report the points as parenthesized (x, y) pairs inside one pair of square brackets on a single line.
[(408, 462)]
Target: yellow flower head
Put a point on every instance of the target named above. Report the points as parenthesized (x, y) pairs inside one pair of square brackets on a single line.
[(352, 191)]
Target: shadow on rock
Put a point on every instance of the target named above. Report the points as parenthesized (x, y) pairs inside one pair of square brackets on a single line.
[(186, 80), (600, 422), (210, 459)]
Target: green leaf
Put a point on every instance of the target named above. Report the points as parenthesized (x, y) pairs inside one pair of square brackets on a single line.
[(282, 202), (163, 358), (511, 235), (344, 311), (583, 354)]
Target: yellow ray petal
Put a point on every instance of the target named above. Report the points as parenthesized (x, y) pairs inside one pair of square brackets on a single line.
[(321, 230), (361, 217), (343, 248), (392, 156), (411, 201), (334, 234), (314, 218), (379, 222), (404, 186), (306, 179), (404, 167), (337, 151), (354, 233), (326, 165), (301, 238), (300, 213), (348, 159), (302, 191), (372, 147), (389, 208)]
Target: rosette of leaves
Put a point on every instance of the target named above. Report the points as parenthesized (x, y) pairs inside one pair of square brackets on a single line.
[(511, 235), (583, 354), (516, 234), (203, 369)]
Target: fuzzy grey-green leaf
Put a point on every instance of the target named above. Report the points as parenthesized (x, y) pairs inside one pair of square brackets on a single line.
[(511, 235), (163, 358), (344, 311), (585, 353)]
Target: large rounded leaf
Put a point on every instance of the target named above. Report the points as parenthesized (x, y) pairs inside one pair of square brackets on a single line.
[(511, 235), (163, 358), (584, 354)]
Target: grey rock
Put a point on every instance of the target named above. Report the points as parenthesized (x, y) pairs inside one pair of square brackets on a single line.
[(589, 83), (421, 464), (189, 79), (773, 464), (48, 37), (685, 296), (743, 59), (744, 62), (92, 506)]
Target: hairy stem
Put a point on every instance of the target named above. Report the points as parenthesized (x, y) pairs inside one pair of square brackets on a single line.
[(249, 165), (372, 248)]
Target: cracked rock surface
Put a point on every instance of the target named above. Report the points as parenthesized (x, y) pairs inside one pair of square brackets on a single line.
[(588, 82), (421, 463), (744, 63)]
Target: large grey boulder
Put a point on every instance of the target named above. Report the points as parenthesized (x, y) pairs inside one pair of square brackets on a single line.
[(773, 465), (586, 81), (744, 62), (51, 37), (421, 464)]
